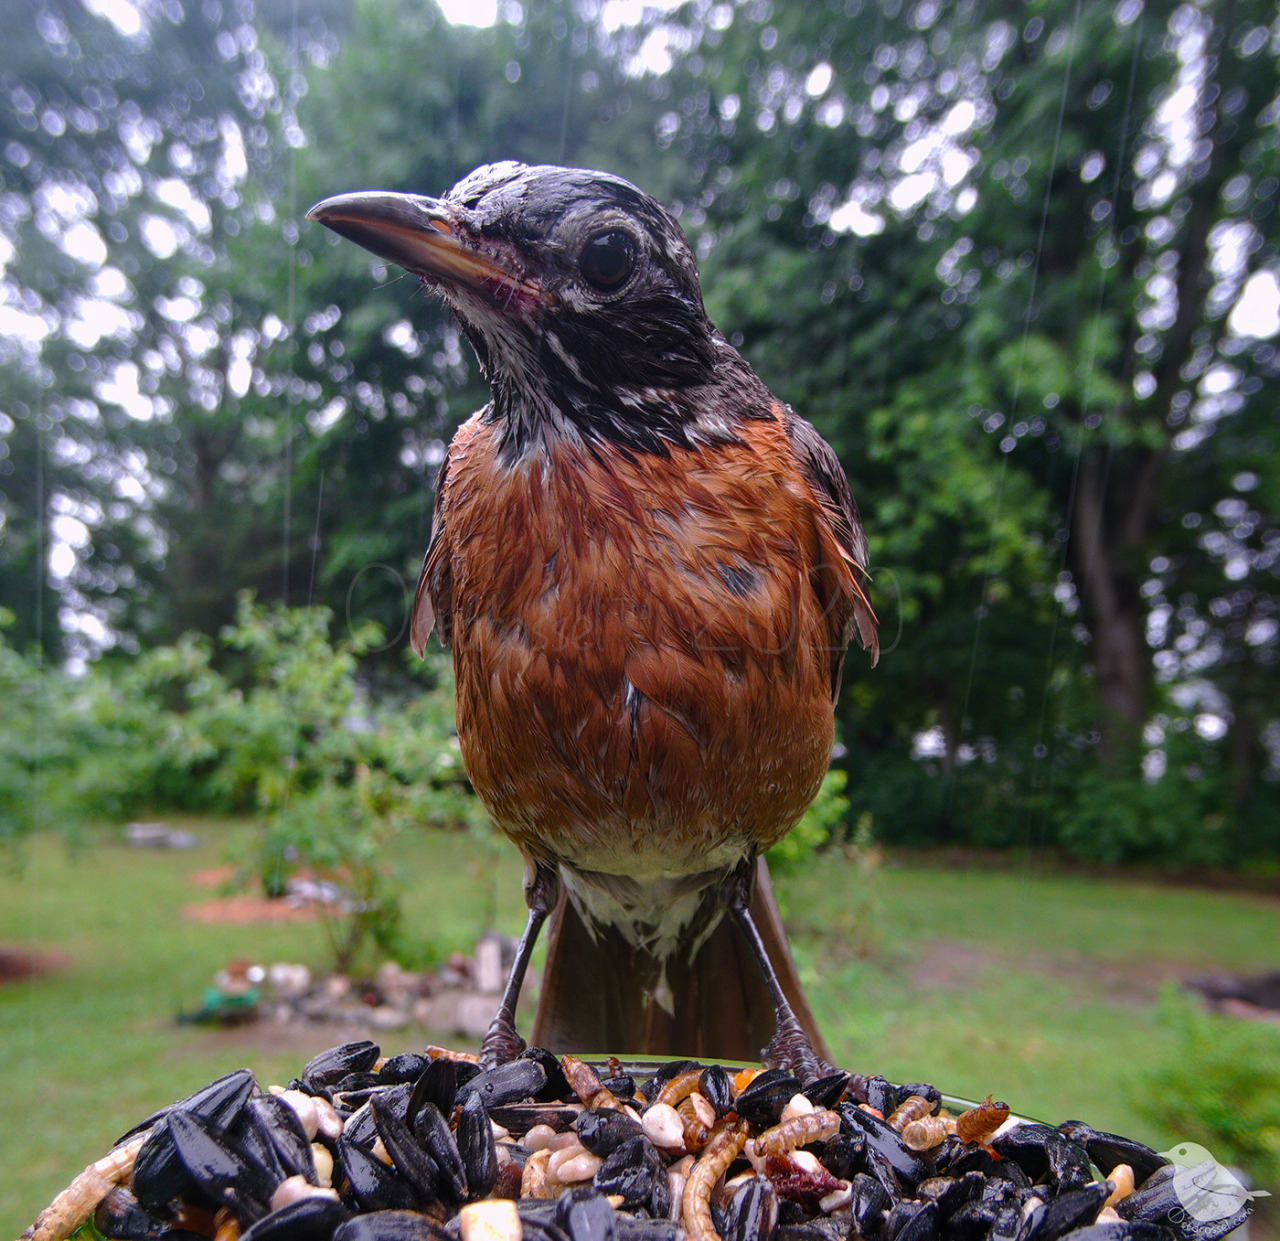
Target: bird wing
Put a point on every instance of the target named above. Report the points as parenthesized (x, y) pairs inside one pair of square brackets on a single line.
[(848, 602)]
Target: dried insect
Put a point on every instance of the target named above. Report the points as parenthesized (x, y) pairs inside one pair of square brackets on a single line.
[(815, 1126), (979, 1123), (696, 1116), (445, 1053), (75, 1204), (226, 1226), (928, 1132), (586, 1084), (727, 1139), (915, 1107), (679, 1087), (533, 1181), (800, 1178)]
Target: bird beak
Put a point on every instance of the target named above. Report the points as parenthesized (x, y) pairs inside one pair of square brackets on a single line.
[(422, 235)]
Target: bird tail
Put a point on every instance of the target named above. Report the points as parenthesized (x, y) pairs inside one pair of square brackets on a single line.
[(601, 994)]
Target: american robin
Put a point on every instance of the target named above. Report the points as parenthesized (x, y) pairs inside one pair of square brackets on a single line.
[(649, 570)]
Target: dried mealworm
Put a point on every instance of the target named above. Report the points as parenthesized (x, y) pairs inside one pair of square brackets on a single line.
[(914, 1107), (928, 1132), (444, 1053), (696, 1116), (585, 1083), (979, 1123), (226, 1226), (680, 1087), (75, 1204), (721, 1150), (799, 1131)]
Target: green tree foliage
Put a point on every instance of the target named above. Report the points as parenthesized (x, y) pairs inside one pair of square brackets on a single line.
[(995, 252), (286, 716), (128, 149), (285, 733)]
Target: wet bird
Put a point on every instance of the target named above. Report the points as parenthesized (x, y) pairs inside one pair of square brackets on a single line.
[(649, 570)]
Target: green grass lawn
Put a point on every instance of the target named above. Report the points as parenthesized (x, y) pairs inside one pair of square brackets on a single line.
[(1038, 988)]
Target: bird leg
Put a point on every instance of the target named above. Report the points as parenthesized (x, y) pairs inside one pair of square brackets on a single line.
[(790, 1047), (541, 893)]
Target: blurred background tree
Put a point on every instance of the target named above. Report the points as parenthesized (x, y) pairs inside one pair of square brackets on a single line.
[(1018, 262)]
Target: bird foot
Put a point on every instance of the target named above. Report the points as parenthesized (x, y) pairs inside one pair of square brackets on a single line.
[(501, 1044), (791, 1049)]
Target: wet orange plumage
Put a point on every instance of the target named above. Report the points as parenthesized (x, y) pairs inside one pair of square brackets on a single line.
[(649, 571), (620, 706)]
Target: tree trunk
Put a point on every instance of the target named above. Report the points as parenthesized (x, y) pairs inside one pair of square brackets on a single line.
[(1106, 555), (1248, 756)]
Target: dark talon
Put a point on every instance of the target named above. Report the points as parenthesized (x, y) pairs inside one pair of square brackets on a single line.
[(790, 1049), (500, 1045)]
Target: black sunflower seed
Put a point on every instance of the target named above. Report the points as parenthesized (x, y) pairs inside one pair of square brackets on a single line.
[(630, 1171), (476, 1146), (508, 1083), (603, 1130), (433, 1132), (307, 1219), (390, 1226), (585, 1215), (372, 1184), (438, 1084), (330, 1067), (408, 1155), (763, 1099)]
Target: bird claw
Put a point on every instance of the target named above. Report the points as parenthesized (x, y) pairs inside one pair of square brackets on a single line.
[(791, 1049), (500, 1045)]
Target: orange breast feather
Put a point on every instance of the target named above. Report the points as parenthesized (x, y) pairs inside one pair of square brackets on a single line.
[(642, 647)]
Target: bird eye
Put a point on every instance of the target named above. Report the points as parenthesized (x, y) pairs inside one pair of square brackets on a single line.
[(608, 259)]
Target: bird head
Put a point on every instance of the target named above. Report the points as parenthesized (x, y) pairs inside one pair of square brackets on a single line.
[(578, 292)]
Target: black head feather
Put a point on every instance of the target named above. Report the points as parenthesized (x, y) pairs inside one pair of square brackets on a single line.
[(580, 296)]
